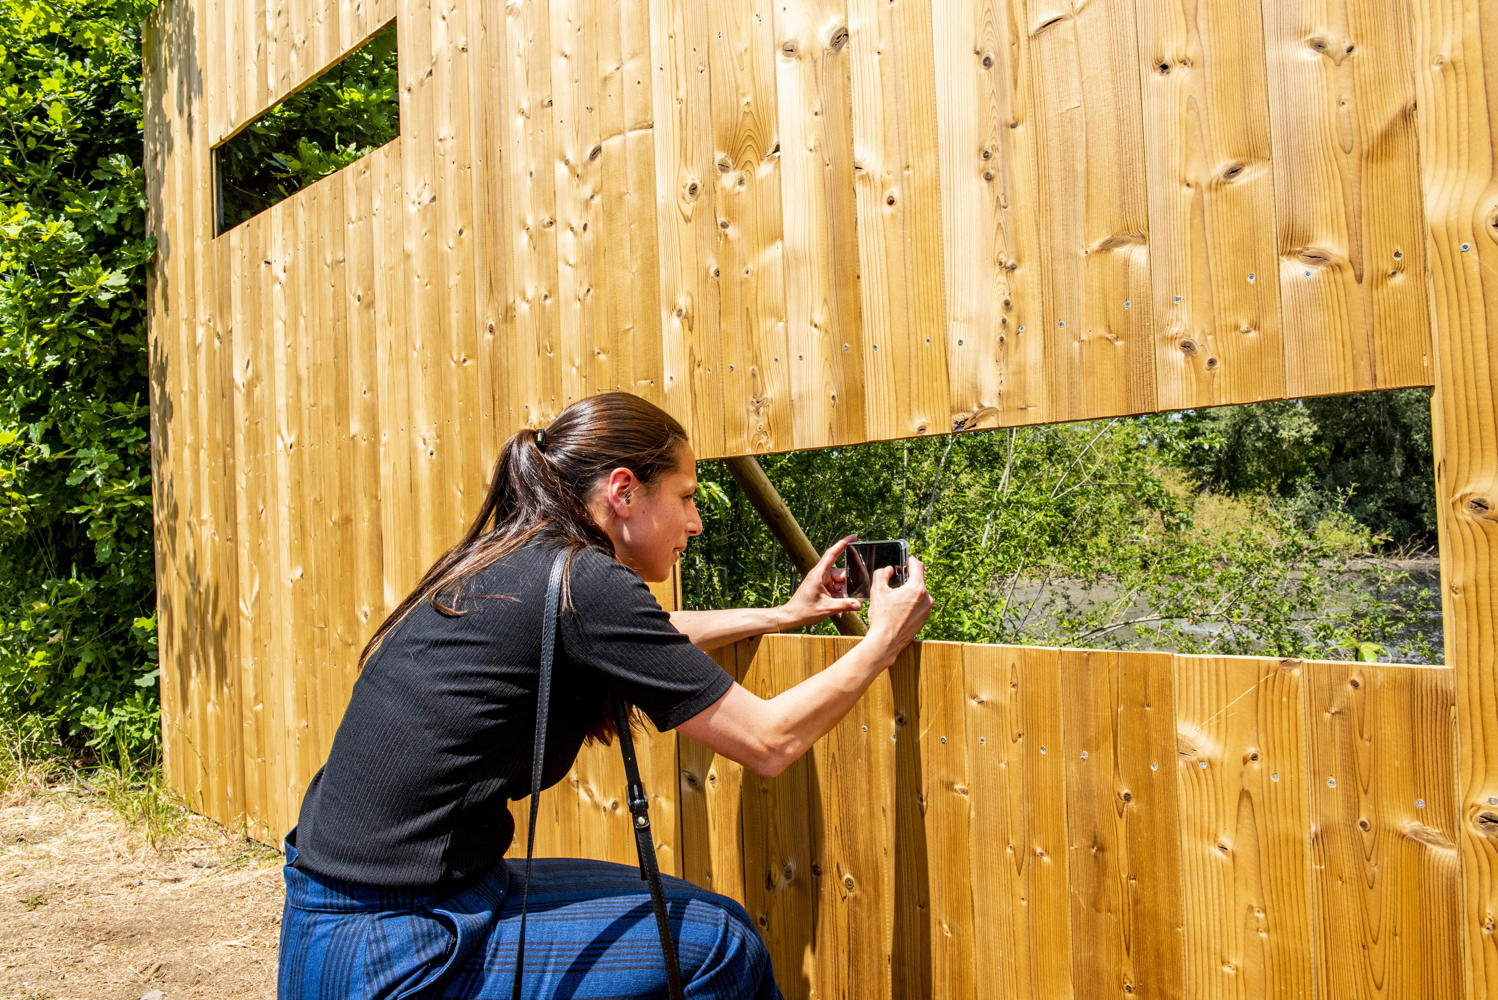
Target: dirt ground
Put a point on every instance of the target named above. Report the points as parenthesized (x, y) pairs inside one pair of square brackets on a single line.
[(90, 909)]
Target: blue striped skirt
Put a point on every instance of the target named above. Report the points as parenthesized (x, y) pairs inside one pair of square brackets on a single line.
[(590, 935)]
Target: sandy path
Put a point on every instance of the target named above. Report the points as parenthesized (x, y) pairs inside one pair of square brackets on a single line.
[(88, 909)]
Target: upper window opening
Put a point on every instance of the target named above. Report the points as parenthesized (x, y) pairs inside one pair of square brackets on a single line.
[(350, 110)]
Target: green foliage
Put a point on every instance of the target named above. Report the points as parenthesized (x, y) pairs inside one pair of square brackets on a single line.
[(342, 115), (1083, 534), (1368, 454), (77, 640)]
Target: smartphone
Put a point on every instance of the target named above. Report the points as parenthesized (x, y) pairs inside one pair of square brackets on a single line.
[(864, 558)]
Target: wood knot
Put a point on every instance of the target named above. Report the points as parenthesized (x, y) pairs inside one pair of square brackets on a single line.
[(849, 884), (595, 152), (691, 189), (1188, 347), (987, 60), (724, 163), (1127, 795), (1233, 171), (1477, 506), (1487, 824), (1211, 363), (789, 48), (838, 38)]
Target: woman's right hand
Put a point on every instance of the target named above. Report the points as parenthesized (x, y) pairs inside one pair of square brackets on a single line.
[(896, 614)]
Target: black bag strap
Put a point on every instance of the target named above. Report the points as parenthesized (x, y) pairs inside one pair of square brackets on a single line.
[(538, 757), (639, 810)]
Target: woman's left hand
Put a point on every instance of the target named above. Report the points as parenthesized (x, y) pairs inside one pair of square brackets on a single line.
[(824, 591)]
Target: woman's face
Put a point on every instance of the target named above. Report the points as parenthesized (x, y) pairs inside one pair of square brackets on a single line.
[(650, 525)]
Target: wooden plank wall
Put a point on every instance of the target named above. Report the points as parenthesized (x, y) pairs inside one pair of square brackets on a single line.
[(1015, 822), (797, 225)]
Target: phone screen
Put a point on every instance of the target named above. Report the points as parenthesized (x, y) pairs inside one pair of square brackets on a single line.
[(864, 558)]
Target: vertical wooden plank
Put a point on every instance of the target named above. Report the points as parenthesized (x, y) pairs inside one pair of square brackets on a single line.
[(689, 276), (989, 216), (284, 713), (1387, 872), (1017, 825), (328, 420), (641, 363), (465, 422), (1241, 772), (1455, 51), (260, 591), (215, 696), (217, 586), (576, 156), (1123, 818), (499, 347), (169, 55), (364, 512), (250, 276), (398, 548), (896, 172), (597, 780), (853, 842), (711, 836), (946, 797), (785, 910), (1351, 231), (429, 361), (303, 645), (531, 193), (911, 930), (611, 354), (1094, 221), (1211, 206), (750, 255), (823, 319)]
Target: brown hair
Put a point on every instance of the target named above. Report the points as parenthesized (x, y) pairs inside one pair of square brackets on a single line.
[(543, 492)]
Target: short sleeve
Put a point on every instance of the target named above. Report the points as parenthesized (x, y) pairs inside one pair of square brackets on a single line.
[(617, 631)]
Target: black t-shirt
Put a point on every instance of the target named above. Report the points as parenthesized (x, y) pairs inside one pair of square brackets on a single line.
[(438, 733)]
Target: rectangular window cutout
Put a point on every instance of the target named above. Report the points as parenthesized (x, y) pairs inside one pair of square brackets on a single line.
[(1301, 528), (350, 110)]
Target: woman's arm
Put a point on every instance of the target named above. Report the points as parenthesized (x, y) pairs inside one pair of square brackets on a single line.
[(769, 734), (822, 593)]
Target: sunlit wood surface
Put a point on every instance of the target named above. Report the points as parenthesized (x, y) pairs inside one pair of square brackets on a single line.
[(797, 225)]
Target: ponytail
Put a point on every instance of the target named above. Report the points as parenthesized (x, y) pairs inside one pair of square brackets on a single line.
[(541, 488)]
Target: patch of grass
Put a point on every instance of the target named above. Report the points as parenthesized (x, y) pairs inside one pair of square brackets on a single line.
[(139, 794), (32, 902), (31, 765), (251, 853)]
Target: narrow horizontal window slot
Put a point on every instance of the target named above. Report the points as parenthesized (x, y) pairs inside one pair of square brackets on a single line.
[(349, 111)]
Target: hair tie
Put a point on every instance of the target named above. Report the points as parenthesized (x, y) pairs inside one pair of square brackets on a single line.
[(541, 439)]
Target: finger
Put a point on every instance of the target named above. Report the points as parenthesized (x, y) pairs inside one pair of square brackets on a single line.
[(915, 572), (833, 551), (880, 578)]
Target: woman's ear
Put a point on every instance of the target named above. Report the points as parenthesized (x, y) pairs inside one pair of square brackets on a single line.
[(619, 492)]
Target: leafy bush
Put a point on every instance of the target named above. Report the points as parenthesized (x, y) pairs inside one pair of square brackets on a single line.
[(77, 632), (1369, 454)]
